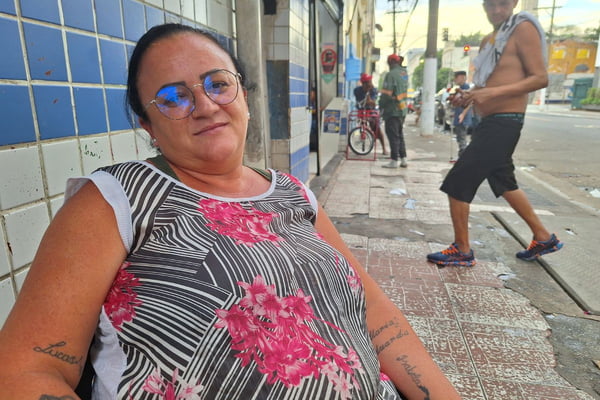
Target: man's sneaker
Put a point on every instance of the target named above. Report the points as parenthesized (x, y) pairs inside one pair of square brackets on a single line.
[(391, 164), (403, 162), (537, 249), (452, 256)]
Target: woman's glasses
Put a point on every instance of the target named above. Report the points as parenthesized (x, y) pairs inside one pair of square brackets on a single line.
[(177, 101)]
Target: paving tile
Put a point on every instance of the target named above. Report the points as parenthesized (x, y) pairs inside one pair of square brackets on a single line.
[(434, 217), (467, 386), (423, 298), (482, 274), (512, 354), (415, 249), (503, 390), (443, 339), (495, 306)]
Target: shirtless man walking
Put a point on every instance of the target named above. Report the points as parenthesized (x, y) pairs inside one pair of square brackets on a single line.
[(511, 63)]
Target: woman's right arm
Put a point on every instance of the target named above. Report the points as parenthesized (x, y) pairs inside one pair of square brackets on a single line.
[(44, 341)]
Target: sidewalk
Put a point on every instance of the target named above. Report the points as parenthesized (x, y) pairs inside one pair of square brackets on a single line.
[(489, 340)]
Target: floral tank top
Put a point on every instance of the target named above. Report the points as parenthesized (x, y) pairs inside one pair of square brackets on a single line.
[(223, 298)]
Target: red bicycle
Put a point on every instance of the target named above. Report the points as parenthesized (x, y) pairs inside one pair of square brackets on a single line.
[(361, 139)]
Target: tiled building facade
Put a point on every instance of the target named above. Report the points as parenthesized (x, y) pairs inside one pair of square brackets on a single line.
[(62, 107)]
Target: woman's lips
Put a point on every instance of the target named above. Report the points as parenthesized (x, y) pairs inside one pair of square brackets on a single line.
[(210, 128)]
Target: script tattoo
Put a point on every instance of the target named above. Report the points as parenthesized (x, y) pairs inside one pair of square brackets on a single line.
[(375, 332), (51, 350), (381, 347), (410, 370), (50, 397)]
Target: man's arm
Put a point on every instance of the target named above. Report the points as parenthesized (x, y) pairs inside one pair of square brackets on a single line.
[(528, 50)]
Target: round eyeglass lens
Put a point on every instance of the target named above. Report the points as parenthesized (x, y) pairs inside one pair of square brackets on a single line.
[(175, 101), (221, 86)]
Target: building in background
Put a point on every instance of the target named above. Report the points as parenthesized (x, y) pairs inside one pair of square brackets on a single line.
[(62, 93)]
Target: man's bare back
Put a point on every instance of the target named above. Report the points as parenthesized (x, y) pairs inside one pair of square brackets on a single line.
[(520, 70)]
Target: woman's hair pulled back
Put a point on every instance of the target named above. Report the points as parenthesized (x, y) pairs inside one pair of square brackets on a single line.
[(154, 35)]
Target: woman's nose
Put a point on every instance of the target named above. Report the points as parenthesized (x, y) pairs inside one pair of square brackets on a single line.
[(202, 103)]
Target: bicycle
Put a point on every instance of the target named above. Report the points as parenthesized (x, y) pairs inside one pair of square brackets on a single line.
[(361, 139)]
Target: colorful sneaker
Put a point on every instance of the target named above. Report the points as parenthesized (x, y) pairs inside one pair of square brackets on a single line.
[(452, 256), (537, 249)]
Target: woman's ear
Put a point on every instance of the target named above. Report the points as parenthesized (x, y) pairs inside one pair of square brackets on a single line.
[(144, 123)]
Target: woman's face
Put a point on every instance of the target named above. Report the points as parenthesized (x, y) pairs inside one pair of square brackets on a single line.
[(212, 132)]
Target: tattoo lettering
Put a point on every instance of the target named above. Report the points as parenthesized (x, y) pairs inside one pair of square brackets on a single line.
[(375, 332), (381, 347), (51, 351), (410, 370), (49, 397)]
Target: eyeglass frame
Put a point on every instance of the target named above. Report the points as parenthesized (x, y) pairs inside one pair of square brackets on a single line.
[(238, 80)]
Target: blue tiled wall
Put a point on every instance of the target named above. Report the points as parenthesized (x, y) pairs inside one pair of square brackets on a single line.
[(12, 66), (16, 118), (78, 14), (54, 111), (83, 58), (45, 52)]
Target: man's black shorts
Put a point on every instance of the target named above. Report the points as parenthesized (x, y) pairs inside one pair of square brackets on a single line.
[(488, 156)]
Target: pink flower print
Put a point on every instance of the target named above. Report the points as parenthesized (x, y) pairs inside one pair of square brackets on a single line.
[(246, 226), (383, 376), (300, 186), (354, 282), (121, 299), (274, 333), (156, 384), (263, 299)]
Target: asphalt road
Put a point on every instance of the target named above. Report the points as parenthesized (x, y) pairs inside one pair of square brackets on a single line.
[(561, 146)]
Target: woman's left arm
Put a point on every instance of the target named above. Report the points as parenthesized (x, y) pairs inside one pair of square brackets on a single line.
[(401, 353)]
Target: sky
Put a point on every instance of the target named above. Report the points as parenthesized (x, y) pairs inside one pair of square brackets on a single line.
[(467, 17)]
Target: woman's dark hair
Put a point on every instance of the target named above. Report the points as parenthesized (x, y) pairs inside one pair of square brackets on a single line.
[(155, 34)]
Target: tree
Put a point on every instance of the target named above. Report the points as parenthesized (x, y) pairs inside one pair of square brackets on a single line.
[(417, 75), (444, 76), (473, 39)]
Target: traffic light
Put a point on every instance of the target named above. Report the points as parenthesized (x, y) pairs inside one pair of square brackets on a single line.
[(466, 49), (445, 34)]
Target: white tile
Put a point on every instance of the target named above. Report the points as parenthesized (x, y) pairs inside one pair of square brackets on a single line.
[(7, 299), (55, 204), (144, 149), (187, 9), (123, 147), (20, 278), (24, 230), (157, 3), (219, 16), (200, 9), (173, 6), (61, 160), (4, 265), (281, 52), (281, 34), (283, 17), (20, 177), (95, 152)]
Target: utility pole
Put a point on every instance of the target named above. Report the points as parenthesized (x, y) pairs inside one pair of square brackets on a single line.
[(394, 12), (426, 121), (548, 44)]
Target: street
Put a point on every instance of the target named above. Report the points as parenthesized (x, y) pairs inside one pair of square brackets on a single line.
[(546, 173), (561, 146)]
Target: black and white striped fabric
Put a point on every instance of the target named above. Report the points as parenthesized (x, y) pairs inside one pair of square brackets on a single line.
[(223, 298)]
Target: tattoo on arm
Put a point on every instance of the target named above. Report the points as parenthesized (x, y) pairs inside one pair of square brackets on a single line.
[(381, 347), (52, 351), (375, 332), (410, 370), (391, 324), (50, 397)]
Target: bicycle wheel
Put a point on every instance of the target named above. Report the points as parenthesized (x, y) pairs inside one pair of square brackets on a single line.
[(361, 140)]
